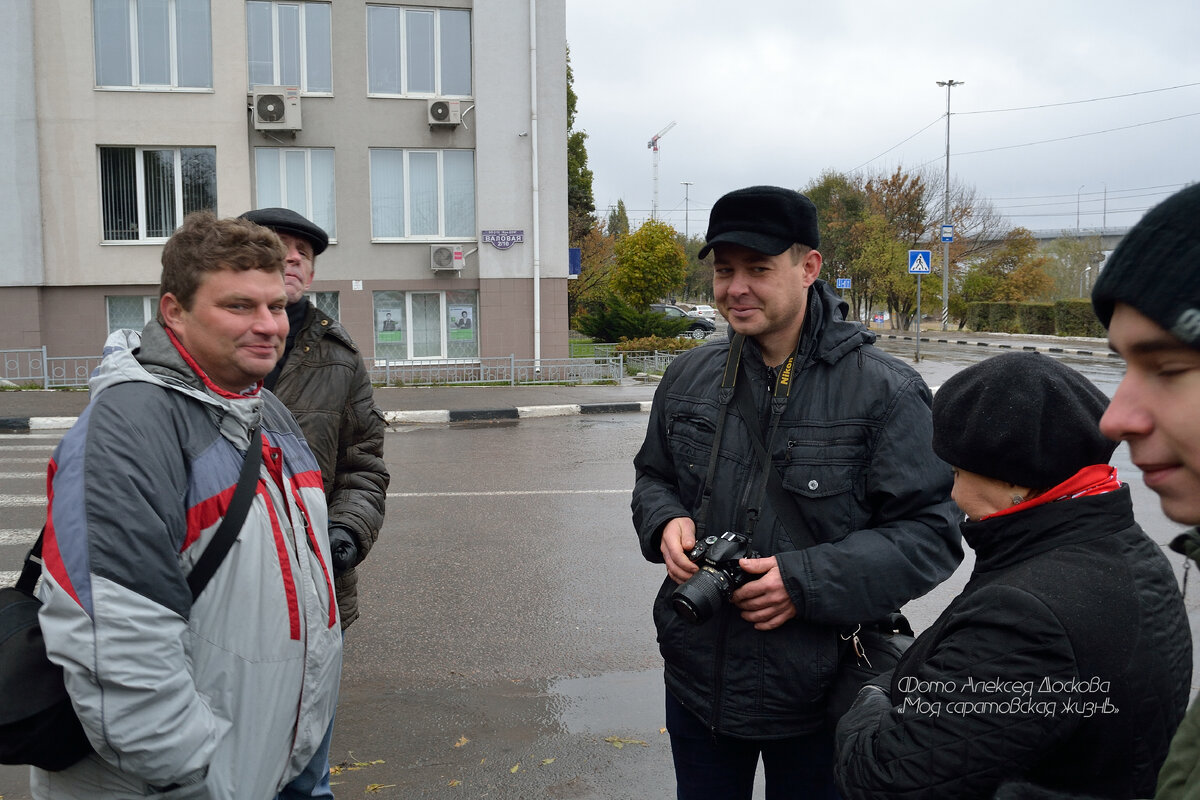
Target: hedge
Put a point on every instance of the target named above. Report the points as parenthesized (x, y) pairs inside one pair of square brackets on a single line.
[(1062, 318)]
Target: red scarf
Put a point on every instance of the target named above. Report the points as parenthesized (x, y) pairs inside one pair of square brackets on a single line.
[(251, 391), (1096, 479)]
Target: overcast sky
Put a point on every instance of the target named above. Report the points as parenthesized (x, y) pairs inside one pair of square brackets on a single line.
[(777, 91)]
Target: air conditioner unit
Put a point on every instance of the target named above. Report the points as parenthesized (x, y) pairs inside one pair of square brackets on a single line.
[(276, 108), (445, 112), (447, 257)]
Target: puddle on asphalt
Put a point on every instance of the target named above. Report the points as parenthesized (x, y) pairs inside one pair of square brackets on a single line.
[(608, 702)]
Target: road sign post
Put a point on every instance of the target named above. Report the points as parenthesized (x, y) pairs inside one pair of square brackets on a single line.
[(918, 264)]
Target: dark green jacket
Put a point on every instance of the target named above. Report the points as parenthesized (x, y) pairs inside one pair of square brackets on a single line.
[(325, 384), (1179, 778)]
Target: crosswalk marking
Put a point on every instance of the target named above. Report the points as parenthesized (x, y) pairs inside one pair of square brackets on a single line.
[(25, 536), (21, 475)]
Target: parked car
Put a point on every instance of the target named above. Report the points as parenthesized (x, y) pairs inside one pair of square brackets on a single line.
[(708, 312), (698, 327)]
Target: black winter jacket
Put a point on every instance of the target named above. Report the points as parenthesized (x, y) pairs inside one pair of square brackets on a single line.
[(325, 385), (853, 447), (1065, 662)]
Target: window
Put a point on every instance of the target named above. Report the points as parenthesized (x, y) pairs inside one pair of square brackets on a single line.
[(426, 325), (422, 194), (146, 192), (418, 51), (159, 44), (299, 179), (290, 44), (327, 303), (130, 311)]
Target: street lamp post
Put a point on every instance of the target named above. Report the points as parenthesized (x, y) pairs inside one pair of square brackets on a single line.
[(949, 84), (1077, 191), (686, 187)]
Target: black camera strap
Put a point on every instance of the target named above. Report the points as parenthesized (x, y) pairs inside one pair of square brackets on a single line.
[(771, 485)]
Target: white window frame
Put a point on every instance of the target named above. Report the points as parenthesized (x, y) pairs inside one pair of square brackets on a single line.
[(441, 234), (139, 166), (443, 356), (307, 211), (149, 309), (135, 53), (302, 44), (401, 46)]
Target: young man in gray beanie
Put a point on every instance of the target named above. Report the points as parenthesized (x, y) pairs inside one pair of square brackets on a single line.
[(1148, 296)]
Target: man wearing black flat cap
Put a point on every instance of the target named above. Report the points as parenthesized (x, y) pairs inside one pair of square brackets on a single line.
[(322, 380), (857, 520)]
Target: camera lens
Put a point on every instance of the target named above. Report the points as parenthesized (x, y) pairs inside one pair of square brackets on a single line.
[(698, 598)]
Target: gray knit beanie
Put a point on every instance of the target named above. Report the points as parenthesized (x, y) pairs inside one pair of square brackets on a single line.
[(1156, 268)]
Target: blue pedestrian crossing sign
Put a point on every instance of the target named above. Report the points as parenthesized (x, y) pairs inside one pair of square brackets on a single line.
[(918, 262)]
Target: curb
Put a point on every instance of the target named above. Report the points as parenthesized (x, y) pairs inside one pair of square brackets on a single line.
[(427, 417), (1003, 346)]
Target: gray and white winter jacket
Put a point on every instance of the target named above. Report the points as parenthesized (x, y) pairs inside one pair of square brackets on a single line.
[(224, 697)]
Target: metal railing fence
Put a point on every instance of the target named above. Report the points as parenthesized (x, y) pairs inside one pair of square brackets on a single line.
[(32, 368)]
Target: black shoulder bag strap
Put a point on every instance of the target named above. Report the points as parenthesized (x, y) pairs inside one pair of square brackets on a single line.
[(783, 501), (235, 516), (218, 548)]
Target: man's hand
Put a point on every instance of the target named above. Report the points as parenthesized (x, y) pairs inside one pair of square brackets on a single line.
[(343, 549), (678, 538), (763, 601)]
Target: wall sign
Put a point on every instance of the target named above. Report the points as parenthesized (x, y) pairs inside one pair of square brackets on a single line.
[(502, 240)]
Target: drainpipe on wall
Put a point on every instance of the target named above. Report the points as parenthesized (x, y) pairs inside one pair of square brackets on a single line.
[(533, 141)]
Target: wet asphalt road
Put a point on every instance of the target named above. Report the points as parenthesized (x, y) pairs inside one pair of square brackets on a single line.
[(506, 647)]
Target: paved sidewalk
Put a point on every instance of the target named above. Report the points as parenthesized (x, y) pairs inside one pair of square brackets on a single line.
[(46, 410)]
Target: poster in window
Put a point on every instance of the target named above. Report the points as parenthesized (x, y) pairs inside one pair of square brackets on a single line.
[(389, 325), (462, 322)]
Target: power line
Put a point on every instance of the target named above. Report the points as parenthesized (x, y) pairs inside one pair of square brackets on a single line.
[(1068, 200), (1067, 138), (1083, 213), (1110, 192), (893, 147), (1077, 102)]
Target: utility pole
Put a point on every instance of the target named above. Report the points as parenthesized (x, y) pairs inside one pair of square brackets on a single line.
[(686, 186), (949, 84)]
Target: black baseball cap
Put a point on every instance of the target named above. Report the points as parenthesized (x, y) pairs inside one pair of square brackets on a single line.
[(769, 219), (284, 220)]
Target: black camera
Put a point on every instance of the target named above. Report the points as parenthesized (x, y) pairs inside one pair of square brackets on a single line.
[(697, 598)]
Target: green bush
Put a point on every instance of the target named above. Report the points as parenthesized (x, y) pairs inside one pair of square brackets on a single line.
[(1077, 318), (657, 344), (1004, 317), (976, 317), (613, 320), (1036, 318)]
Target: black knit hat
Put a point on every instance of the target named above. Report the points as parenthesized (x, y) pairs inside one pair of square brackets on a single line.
[(1024, 418), (769, 219), (284, 220), (1156, 268)]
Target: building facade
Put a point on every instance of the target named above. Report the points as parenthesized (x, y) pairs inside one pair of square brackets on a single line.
[(428, 140)]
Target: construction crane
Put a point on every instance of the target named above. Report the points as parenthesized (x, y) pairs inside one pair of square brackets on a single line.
[(653, 145)]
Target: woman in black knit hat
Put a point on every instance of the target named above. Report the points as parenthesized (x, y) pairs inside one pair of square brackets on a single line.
[(1065, 663)]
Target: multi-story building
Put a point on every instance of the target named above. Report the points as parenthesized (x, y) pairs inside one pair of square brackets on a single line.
[(428, 140)]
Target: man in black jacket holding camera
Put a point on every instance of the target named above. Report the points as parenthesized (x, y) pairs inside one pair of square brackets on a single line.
[(848, 430)]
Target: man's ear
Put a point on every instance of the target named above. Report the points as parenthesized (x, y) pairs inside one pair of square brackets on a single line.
[(170, 309), (811, 267)]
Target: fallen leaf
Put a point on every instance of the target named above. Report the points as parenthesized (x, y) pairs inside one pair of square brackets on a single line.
[(618, 742), (461, 741), (545, 761), (662, 730), (515, 767), (373, 788), (333, 770), (456, 783)]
